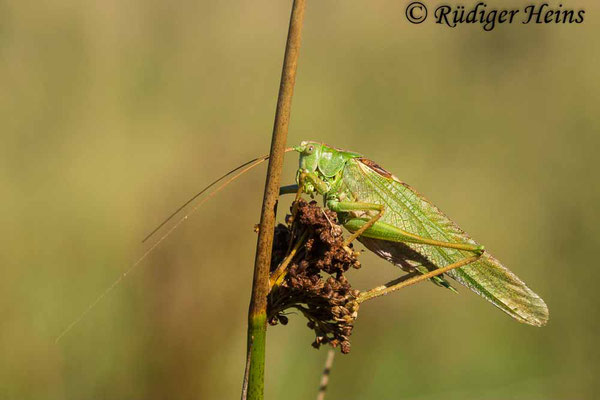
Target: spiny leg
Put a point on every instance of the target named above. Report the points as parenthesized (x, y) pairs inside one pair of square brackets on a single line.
[(304, 177), (289, 189), (402, 283), (383, 231)]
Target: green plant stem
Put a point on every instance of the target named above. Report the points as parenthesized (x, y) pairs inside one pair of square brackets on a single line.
[(257, 313)]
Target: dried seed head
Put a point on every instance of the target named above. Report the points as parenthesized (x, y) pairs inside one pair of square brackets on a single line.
[(327, 301)]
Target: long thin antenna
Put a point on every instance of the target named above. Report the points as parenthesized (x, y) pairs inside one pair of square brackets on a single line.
[(246, 167), (194, 197)]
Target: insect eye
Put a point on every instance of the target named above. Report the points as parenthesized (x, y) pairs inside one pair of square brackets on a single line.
[(310, 149)]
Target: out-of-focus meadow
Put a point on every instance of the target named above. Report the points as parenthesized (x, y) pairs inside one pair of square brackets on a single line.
[(113, 113)]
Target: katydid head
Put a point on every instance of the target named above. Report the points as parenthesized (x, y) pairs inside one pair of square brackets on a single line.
[(321, 161), (310, 152)]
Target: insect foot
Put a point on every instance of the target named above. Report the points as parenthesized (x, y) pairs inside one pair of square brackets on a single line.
[(352, 253), (314, 283)]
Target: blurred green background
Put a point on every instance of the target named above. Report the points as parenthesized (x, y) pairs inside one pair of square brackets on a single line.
[(113, 113)]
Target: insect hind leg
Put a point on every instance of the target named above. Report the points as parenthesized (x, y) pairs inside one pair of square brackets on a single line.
[(404, 282), (383, 231)]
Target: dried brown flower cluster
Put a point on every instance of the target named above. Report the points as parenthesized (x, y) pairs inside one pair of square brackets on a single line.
[(315, 283)]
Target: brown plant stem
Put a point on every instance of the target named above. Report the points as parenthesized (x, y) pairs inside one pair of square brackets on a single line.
[(325, 375), (257, 313)]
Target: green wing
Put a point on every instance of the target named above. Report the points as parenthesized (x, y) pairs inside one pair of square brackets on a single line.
[(365, 181)]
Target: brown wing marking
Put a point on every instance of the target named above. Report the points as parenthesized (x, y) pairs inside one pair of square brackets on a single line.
[(375, 167)]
